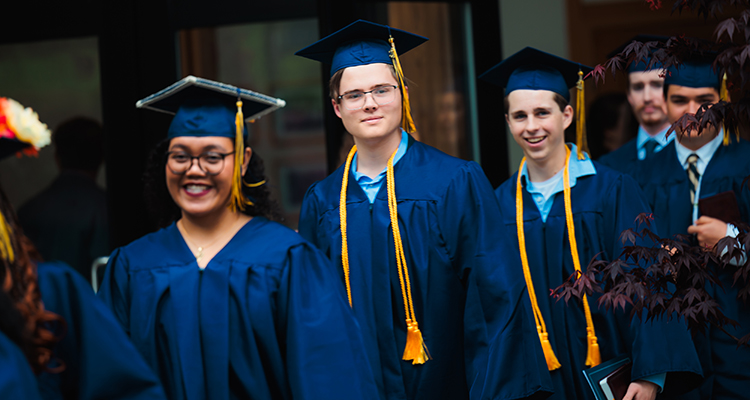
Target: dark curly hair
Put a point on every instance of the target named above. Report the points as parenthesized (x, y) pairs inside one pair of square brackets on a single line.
[(30, 325), (163, 208)]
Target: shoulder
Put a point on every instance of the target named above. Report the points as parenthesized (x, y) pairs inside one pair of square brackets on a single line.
[(426, 172), (157, 247), (266, 242), (626, 153)]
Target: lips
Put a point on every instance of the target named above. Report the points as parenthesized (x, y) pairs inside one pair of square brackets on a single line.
[(196, 189), (372, 119), (536, 140)]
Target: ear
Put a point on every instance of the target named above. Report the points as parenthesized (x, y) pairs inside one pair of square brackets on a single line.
[(246, 159), (507, 119), (336, 108), (567, 116)]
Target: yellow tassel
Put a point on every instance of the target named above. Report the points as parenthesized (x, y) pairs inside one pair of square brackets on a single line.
[(6, 247), (593, 358), (724, 95), (581, 141), (549, 355), (406, 120), (237, 200), (415, 349)]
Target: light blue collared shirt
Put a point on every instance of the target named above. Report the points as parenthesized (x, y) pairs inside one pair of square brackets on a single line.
[(372, 186), (660, 138), (705, 154), (544, 193)]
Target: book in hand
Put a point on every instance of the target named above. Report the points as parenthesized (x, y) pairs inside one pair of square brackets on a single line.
[(721, 206), (614, 375)]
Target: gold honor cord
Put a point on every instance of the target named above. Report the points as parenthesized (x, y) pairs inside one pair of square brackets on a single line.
[(415, 351), (593, 357), (406, 119), (581, 141)]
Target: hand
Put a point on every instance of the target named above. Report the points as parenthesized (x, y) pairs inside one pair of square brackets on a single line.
[(708, 230), (641, 390)]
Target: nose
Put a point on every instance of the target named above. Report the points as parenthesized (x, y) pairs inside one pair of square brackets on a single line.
[(195, 167), (370, 103), (693, 107), (532, 125), (648, 94)]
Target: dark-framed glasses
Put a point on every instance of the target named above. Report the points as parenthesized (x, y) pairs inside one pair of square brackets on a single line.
[(382, 95), (211, 163)]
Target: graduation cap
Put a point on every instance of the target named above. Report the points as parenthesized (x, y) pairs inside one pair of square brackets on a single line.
[(20, 129), (363, 43), (641, 66), (532, 69), (202, 107)]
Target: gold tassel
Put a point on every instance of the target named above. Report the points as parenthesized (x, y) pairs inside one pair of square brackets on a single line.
[(724, 95), (6, 247), (593, 358), (237, 201), (581, 141), (415, 349), (549, 355), (406, 120)]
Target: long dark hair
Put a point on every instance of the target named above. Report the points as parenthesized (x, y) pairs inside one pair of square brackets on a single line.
[(163, 208), (29, 325)]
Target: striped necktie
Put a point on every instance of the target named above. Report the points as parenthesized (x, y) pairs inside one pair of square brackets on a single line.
[(693, 176)]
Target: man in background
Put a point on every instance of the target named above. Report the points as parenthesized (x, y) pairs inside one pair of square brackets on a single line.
[(67, 221)]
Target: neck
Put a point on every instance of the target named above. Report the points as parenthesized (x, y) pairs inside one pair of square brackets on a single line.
[(654, 130), (202, 229), (373, 155), (694, 143), (542, 170)]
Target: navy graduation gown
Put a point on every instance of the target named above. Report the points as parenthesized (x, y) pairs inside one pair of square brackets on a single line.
[(468, 304), (266, 319), (604, 205), (100, 361), (16, 379), (623, 159), (666, 185)]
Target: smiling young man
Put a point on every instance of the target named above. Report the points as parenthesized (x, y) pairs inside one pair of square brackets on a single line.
[(680, 184), (556, 183), (414, 233), (646, 97)]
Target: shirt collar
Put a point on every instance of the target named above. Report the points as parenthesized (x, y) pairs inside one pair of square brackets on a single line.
[(576, 168), (660, 138), (402, 145), (704, 153)]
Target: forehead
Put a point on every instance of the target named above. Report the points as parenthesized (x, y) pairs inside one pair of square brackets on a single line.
[(646, 76), (691, 92), (529, 99), (366, 76), (195, 142)]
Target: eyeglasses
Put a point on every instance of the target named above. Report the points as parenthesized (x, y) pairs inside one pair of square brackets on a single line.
[(179, 162), (382, 95)]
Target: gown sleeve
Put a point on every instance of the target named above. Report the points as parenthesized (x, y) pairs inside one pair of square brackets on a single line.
[(325, 357), (502, 352), (100, 361), (16, 379), (308, 217)]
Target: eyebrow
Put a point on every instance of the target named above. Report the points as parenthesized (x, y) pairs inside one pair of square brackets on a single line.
[(210, 147), (371, 87)]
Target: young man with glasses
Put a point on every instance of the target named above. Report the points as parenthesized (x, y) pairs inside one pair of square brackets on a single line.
[(414, 234), (696, 187)]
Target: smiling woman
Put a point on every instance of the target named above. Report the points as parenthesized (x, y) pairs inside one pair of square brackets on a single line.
[(223, 301)]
